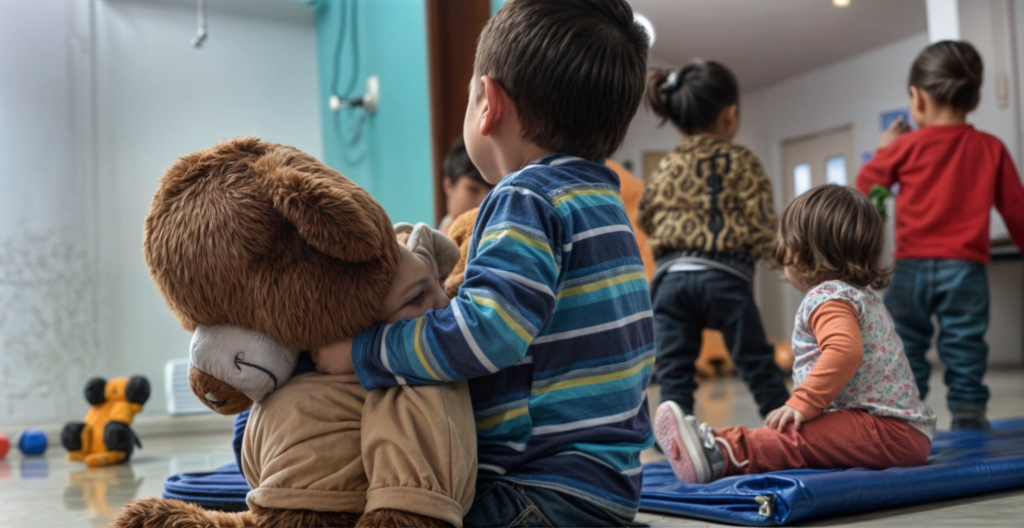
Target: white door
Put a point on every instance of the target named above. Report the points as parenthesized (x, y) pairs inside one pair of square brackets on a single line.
[(818, 159)]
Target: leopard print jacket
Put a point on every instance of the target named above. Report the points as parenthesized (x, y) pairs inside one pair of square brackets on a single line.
[(708, 195)]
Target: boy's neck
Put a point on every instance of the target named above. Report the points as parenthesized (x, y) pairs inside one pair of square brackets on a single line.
[(513, 155)]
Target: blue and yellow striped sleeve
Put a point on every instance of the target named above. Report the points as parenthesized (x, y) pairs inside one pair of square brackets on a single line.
[(506, 299)]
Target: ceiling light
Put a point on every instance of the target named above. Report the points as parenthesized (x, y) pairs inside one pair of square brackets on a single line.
[(646, 23), (840, 3)]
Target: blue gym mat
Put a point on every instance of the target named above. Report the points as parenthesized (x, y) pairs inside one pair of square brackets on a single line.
[(222, 489), (962, 463)]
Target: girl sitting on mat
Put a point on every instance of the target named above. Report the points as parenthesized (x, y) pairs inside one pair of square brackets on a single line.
[(855, 403)]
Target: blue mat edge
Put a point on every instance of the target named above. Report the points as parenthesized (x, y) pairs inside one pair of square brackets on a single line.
[(800, 501)]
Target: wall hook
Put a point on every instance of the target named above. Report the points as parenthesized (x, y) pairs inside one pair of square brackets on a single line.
[(197, 41)]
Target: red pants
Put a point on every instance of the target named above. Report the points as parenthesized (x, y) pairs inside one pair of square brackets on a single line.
[(834, 440)]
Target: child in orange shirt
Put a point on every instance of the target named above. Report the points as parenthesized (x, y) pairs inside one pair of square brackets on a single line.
[(855, 403)]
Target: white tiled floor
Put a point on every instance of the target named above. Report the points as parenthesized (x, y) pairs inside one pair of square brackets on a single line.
[(51, 492)]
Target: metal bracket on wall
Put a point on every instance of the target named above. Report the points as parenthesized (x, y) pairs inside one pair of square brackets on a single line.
[(370, 100), (197, 41)]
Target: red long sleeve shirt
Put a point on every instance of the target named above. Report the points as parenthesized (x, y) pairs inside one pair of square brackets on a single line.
[(950, 177)]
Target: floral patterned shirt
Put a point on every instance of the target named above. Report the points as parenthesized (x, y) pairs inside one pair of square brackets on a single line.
[(884, 384)]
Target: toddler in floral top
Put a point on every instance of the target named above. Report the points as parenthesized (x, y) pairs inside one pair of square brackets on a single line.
[(854, 402)]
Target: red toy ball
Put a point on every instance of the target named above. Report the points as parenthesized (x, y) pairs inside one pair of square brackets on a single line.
[(5, 445)]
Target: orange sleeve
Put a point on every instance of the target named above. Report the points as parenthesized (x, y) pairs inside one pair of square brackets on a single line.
[(836, 327), (631, 190)]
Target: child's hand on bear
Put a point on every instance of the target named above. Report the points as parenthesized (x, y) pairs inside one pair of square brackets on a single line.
[(335, 358), (778, 418)]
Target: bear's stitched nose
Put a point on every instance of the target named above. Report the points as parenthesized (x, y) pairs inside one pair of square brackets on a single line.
[(214, 401)]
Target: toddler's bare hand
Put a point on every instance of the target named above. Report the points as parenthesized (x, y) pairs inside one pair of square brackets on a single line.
[(778, 418), (897, 128), (335, 358)]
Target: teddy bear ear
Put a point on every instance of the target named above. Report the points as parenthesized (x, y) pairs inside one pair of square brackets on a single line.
[(331, 213)]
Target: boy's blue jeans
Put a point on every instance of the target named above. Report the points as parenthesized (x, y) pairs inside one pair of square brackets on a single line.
[(506, 505), (957, 293)]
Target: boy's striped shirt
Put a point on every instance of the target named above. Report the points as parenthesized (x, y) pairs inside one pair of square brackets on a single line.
[(553, 328)]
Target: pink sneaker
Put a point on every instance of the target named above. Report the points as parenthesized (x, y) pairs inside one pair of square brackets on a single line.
[(693, 450)]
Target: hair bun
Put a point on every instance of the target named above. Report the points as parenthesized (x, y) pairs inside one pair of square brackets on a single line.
[(951, 72)]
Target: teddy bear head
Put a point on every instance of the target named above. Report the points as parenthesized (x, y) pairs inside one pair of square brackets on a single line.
[(265, 237)]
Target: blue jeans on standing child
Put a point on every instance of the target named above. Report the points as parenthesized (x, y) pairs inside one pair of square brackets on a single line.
[(956, 292)]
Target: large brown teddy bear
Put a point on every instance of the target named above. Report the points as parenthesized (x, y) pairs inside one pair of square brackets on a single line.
[(263, 237)]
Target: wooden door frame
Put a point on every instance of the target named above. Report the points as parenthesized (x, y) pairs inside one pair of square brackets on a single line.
[(452, 30)]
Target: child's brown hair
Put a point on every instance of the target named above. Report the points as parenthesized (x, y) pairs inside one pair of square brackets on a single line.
[(832, 233), (693, 97), (950, 71), (573, 68)]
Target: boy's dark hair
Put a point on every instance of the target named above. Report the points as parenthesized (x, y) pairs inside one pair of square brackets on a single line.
[(694, 97), (832, 233), (573, 68), (458, 165), (950, 71)]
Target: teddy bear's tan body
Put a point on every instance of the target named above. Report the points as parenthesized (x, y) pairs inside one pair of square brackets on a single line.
[(266, 238)]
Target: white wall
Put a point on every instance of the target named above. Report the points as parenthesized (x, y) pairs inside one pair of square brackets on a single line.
[(92, 110), (48, 337), (159, 98)]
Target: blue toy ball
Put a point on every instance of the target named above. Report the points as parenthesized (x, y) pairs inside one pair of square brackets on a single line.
[(32, 442)]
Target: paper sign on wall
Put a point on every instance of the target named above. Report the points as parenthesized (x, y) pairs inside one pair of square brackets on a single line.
[(888, 117)]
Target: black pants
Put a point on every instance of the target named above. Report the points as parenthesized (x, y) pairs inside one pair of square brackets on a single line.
[(687, 302)]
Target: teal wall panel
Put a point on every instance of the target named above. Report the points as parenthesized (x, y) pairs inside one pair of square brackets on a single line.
[(392, 157), (496, 5)]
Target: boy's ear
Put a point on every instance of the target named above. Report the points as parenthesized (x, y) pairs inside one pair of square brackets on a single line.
[(495, 106)]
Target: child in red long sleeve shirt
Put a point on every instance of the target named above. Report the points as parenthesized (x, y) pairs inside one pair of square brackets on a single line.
[(950, 177)]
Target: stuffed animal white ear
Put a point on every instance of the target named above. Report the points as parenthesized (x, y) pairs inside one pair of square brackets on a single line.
[(432, 244), (256, 365), (248, 361)]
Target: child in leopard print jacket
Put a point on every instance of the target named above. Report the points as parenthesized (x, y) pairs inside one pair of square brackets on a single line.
[(708, 212)]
